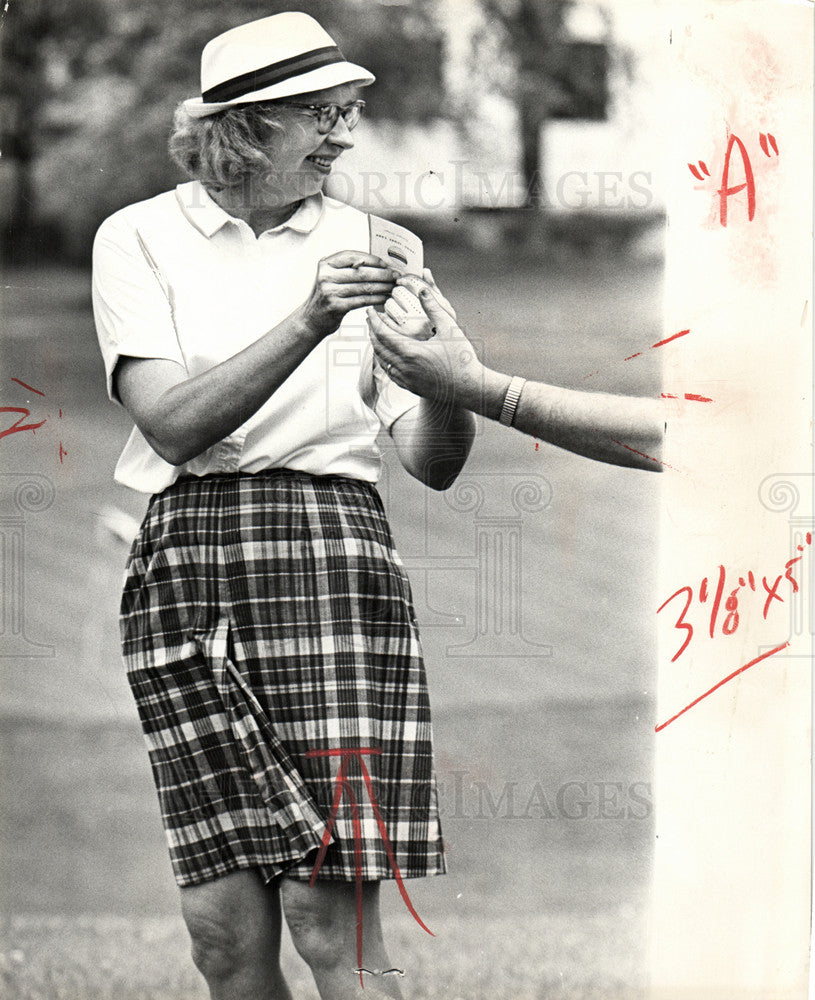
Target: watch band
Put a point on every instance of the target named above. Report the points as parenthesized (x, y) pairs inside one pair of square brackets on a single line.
[(514, 391)]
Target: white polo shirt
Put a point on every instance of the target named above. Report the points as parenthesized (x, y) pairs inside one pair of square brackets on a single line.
[(177, 277)]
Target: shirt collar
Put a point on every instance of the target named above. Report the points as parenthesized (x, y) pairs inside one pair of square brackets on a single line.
[(307, 215), (208, 217)]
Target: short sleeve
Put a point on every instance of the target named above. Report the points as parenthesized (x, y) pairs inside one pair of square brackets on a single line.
[(132, 303), (392, 401)]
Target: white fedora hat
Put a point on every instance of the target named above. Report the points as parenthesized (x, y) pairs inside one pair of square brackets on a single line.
[(277, 56)]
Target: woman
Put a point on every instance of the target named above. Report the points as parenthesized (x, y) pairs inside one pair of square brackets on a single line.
[(267, 624), (433, 357)]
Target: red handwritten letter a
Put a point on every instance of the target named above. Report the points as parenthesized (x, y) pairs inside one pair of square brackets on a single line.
[(725, 192)]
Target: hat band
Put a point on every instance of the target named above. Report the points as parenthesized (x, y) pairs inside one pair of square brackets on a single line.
[(258, 79)]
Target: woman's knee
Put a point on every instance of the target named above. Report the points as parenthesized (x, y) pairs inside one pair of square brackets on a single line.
[(322, 922), (217, 949), (232, 926)]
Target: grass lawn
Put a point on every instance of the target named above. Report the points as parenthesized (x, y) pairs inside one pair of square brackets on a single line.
[(543, 755)]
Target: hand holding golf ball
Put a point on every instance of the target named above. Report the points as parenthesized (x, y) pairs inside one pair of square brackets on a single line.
[(405, 309)]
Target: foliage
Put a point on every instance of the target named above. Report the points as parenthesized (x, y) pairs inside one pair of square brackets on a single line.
[(28, 32), (90, 87), (545, 72)]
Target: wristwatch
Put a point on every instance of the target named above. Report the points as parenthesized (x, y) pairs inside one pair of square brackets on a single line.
[(514, 391)]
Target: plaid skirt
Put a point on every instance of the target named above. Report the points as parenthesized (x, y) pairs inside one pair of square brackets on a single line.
[(271, 645)]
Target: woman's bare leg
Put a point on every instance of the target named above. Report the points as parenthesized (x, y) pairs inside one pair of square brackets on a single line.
[(234, 923), (323, 924)]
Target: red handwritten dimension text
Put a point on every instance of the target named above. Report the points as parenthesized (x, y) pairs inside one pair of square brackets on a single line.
[(725, 619)]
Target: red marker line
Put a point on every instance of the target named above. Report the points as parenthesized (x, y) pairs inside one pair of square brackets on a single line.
[(697, 399), (342, 784), (667, 340), (637, 354), (716, 687), (357, 827), (339, 785), (29, 387), (717, 600), (642, 454)]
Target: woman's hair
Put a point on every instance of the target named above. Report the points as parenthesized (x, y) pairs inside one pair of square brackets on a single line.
[(223, 149)]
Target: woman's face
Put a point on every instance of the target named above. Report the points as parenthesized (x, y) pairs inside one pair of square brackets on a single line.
[(301, 156)]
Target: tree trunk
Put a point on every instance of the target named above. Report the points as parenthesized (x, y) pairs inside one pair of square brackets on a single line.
[(23, 82), (531, 123)]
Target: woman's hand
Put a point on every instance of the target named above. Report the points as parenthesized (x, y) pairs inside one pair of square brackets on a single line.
[(430, 356), (346, 280), (405, 308), (419, 344), (415, 285)]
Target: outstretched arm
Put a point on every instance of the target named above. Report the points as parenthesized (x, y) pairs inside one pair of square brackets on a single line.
[(619, 430)]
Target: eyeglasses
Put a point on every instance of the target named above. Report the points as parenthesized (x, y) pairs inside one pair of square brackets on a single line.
[(328, 115)]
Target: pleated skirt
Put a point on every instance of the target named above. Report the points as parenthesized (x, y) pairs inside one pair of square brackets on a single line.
[(270, 642)]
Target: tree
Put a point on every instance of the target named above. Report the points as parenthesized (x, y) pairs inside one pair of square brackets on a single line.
[(92, 85), (28, 29), (554, 75)]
